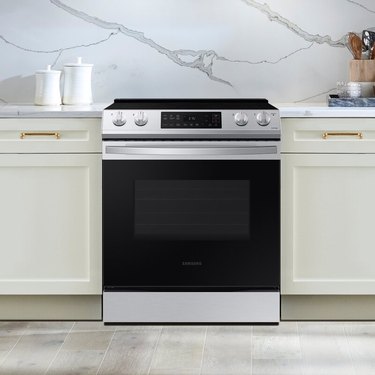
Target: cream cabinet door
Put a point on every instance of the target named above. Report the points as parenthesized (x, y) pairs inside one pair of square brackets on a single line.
[(328, 224), (50, 240)]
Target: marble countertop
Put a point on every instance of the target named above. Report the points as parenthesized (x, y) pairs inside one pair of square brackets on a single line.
[(30, 110), (322, 110), (95, 110)]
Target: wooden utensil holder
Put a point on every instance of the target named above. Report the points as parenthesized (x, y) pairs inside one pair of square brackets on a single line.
[(362, 71)]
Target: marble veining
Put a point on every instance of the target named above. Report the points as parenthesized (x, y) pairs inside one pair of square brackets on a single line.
[(59, 51), (265, 61), (360, 5), (276, 17), (318, 95), (238, 48), (203, 60)]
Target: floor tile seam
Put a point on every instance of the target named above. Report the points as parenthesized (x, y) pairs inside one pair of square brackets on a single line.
[(251, 349), (154, 351), (9, 351), (303, 358), (32, 327), (21, 333), (58, 351), (94, 331), (47, 333), (105, 354), (348, 341), (87, 340), (203, 350)]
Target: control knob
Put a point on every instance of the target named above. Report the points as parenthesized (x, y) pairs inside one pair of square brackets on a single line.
[(241, 118), (119, 120), (140, 118), (263, 118)]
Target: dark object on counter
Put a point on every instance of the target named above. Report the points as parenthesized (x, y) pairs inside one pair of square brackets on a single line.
[(335, 101), (368, 40)]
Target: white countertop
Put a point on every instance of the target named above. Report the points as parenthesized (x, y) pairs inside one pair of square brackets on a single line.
[(31, 110), (95, 110), (322, 110)]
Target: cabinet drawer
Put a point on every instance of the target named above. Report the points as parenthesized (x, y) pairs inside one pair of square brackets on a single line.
[(50, 135), (328, 135)]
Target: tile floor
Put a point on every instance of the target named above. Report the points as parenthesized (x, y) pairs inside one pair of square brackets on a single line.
[(63, 348)]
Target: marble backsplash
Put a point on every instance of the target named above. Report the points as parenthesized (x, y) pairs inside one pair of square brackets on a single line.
[(284, 50)]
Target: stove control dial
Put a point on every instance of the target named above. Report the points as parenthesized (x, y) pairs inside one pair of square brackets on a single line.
[(241, 118), (140, 118), (119, 120), (263, 118)]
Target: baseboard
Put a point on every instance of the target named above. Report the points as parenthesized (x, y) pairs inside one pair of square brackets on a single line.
[(327, 307), (51, 307), (89, 307)]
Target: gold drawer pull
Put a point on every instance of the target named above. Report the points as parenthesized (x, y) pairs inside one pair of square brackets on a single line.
[(342, 134), (47, 134)]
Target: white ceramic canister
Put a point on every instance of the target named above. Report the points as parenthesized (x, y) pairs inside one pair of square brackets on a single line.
[(47, 88), (77, 83)]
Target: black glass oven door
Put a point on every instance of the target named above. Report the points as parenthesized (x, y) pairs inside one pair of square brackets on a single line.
[(197, 223)]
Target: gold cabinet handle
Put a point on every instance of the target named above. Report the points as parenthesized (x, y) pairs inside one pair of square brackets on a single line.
[(42, 134), (342, 134)]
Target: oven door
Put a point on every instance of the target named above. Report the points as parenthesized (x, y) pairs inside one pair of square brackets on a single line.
[(191, 216)]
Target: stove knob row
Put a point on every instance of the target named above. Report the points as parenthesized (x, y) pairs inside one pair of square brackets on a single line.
[(241, 118), (119, 120), (263, 118), (140, 118)]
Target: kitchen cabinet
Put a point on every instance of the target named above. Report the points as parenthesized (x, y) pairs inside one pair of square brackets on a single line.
[(50, 206), (328, 206)]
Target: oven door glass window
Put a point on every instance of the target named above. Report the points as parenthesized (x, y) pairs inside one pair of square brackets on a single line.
[(199, 223), (191, 210)]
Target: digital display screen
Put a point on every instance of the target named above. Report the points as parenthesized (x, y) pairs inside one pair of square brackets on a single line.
[(191, 120)]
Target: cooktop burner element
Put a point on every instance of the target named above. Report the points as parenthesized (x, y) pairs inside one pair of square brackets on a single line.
[(196, 118)]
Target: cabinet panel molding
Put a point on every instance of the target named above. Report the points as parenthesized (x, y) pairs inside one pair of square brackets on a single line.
[(50, 224), (328, 205)]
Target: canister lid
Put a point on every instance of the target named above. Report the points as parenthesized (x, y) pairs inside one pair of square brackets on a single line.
[(48, 70), (78, 63)]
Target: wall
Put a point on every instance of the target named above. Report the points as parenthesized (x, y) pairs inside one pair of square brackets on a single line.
[(285, 50)]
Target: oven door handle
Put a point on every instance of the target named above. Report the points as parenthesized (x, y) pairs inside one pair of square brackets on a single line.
[(191, 150)]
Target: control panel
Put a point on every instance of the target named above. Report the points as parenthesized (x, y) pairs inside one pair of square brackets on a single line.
[(191, 120), (262, 123)]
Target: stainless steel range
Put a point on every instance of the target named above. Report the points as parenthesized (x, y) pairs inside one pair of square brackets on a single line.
[(191, 211)]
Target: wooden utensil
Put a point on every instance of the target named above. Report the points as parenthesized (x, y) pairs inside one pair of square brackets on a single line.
[(349, 43), (355, 44), (357, 47)]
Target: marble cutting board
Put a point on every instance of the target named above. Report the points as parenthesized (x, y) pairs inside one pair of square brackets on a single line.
[(335, 101)]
